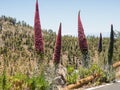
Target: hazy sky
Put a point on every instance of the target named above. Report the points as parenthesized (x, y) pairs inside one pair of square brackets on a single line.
[(96, 15)]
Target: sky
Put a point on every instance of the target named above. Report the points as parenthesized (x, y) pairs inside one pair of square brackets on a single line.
[(96, 15)]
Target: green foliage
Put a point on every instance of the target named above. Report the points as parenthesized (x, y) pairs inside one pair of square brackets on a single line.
[(4, 81), (38, 83), (1, 77), (70, 69), (72, 76), (20, 82), (84, 72), (4, 85), (41, 83)]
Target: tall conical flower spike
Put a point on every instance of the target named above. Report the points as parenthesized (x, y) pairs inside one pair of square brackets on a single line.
[(81, 36), (83, 43), (110, 50), (111, 72), (57, 49), (38, 39), (100, 43)]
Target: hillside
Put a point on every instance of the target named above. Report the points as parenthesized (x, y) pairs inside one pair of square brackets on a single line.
[(17, 41), (18, 55)]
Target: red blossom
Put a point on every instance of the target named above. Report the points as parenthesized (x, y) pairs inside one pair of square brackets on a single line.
[(81, 36), (38, 39), (57, 49)]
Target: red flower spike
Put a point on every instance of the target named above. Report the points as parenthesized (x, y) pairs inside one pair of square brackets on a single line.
[(81, 36), (57, 49), (38, 39)]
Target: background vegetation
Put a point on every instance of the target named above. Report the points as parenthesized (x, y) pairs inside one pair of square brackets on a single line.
[(18, 58)]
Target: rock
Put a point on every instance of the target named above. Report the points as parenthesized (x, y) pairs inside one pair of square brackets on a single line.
[(56, 76), (59, 80), (61, 70), (54, 87)]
